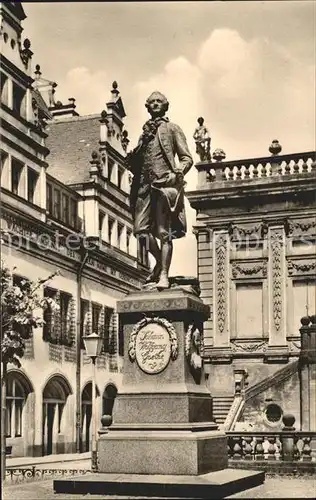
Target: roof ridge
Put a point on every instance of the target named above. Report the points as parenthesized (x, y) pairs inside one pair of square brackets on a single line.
[(74, 119)]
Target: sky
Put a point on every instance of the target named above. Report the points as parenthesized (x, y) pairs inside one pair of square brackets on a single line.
[(247, 67)]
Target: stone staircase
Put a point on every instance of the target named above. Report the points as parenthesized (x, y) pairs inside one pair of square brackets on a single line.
[(221, 406)]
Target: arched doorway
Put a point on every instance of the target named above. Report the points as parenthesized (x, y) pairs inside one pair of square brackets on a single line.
[(86, 416), (18, 412), (55, 396), (109, 395)]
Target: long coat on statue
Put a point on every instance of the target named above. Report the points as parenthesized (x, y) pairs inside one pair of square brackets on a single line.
[(173, 143)]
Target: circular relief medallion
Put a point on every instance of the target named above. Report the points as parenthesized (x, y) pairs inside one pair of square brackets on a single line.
[(152, 348)]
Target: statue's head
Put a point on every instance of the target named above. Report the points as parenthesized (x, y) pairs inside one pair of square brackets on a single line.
[(200, 120), (157, 104)]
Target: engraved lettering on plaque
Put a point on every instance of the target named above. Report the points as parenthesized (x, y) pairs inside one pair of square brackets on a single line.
[(153, 342), (153, 348)]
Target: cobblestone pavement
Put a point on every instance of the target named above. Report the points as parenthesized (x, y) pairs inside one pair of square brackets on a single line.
[(274, 487)]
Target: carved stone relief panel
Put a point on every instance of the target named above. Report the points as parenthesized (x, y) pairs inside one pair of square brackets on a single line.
[(249, 269), (302, 228), (277, 284), (301, 267), (221, 287)]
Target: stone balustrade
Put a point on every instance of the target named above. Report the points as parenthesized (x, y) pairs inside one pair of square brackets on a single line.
[(270, 446), (256, 168)]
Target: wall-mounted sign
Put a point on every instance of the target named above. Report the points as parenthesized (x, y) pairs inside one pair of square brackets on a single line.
[(153, 342)]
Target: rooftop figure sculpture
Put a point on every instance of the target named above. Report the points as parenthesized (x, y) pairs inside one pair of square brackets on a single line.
[(202, 141), (157, 191)]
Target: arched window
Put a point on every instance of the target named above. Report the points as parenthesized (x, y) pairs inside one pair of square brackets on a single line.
[(86, 415), (18, 389), (55, 396)]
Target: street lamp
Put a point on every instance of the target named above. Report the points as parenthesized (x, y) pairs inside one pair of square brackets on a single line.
[(92, 344)]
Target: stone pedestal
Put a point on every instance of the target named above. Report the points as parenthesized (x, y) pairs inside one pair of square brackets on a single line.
[(163, 412)]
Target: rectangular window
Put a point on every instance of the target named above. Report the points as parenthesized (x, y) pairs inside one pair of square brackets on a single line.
[(110, 231), (249, 310), (64, 303), (18, 417), (128, 240), (120, 230), (8, 419), (50, 318), (65, 208), (32, 178), (16, 172), (49, 198), (84, 326), (110, 169), (96, 311), (73, 212), (57, 204), (120, 173), (19, 101), (101, 220), (108, 314)]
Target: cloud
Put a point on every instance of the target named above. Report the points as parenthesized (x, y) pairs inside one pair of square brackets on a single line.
[(90, 89), (249, 91)]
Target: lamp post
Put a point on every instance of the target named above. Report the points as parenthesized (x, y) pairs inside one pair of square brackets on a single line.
[(93, 343)]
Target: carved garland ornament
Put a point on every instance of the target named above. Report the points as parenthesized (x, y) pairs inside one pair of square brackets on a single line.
[(303, 267), (276, 248), (158, 321), (249, 270), (221, 253), (249, 347)]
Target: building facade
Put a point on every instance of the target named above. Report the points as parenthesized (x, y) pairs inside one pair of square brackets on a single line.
[(64, 207), (256, 233)]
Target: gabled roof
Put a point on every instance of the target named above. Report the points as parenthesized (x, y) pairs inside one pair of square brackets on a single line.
[(16, 9), (71, 142)]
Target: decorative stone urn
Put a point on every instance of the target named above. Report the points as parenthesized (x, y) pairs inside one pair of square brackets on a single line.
[(275, 147), (219, 154)]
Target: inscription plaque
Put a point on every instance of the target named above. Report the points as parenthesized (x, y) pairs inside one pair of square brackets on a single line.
[(153, 348)]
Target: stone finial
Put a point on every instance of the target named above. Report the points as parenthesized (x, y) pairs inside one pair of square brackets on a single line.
[(288, 421), (95, 163), (125, 140), (59, 104), (275, 147), (72, 101), (26, 52), (104, 118), (37, 71), (219, 154), (115, 92)]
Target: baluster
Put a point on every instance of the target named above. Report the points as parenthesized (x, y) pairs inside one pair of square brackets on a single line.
[(263, 170), (287, 169), (247, 172), (306, 451), (271, 448), (313, 166), (296, 450), (280, 170), (247, 449), (304, 166), (255, 171), (259, 451), (238, 173), (296, 167), (237, 448), (231, 173), (224, 178)]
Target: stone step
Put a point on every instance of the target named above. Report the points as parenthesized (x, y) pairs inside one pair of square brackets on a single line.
[(217, 484)]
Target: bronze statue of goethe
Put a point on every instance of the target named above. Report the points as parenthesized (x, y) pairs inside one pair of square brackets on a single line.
[(157, 191)]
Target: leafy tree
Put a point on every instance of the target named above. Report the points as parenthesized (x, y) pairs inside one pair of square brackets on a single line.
[(21, 303)]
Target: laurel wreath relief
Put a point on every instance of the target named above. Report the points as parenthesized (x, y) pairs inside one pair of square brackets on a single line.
[(160, 321)]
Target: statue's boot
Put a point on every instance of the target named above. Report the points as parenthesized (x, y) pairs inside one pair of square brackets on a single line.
[(154, 275), (163, 281)]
